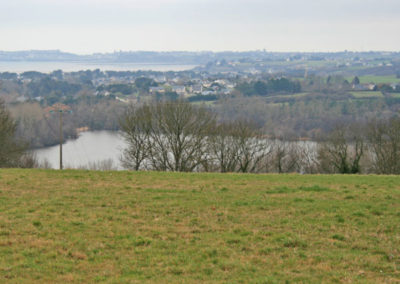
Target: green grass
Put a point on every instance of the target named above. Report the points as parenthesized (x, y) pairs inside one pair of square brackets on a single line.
[(123, 227), (367, 94), (296, 95)]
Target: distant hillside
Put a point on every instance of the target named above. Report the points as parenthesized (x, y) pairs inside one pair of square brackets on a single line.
[(182, 57)]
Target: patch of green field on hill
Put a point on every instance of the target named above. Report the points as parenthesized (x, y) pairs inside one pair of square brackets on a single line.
[(296, 95), (124, 227), (367, 94)]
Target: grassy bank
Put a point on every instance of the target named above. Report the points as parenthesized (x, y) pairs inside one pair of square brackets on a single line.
[(122, 227)]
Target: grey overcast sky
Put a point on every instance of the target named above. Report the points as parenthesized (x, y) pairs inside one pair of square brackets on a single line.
[(87, 26)]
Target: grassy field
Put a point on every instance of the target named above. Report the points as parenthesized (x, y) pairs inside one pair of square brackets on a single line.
[(123, 227), (296, 95), (367, 94)]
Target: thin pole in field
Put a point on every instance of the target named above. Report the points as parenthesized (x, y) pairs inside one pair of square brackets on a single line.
[(60, 108)]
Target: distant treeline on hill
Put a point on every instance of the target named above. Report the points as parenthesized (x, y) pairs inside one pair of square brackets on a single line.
[(181, 57), (272, 85)]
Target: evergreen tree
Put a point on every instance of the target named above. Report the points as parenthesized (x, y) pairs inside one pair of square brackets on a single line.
[(10, 150)]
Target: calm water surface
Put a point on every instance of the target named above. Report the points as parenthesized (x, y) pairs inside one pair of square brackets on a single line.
[(90, 147), (97, 146), (47, 67)]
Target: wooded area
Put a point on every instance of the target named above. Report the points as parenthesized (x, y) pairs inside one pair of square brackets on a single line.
[(177, 136)]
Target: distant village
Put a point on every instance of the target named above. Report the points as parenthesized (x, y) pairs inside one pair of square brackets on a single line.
[(223, 74), (181, 85), (291, 95)]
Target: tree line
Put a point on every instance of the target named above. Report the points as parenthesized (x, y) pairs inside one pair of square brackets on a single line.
[(177, 136), (40, 128), (269, 86)]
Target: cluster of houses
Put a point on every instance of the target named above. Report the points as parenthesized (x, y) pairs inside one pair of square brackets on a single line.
[(183, 85), (364, 87), (373, 87), (196, 87)]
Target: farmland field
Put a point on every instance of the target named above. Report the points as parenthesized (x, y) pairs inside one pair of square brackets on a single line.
[(367, 94), (124, 227)]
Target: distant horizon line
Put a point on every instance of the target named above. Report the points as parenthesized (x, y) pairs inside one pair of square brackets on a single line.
[(198, 51)]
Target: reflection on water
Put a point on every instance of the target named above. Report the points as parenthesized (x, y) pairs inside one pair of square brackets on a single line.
[(90, 147)]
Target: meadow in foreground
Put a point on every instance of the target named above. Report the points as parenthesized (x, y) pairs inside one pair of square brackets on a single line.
[(126, 227)]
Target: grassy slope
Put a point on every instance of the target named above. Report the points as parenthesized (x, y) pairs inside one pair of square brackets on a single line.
[(367, 94), (379, 79), (376, 79), (119, 227)]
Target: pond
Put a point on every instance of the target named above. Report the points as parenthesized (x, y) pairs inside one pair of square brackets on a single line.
[(89, 148)]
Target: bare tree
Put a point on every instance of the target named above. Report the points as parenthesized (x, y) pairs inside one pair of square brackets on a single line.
[(342, 150), (286, 157), (180, 133), (309, 157), (252, 147), (224, 147), (384, 142), (136, 129), (171, 136)]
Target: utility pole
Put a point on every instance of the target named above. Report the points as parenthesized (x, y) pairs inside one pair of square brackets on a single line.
[(60, 108), (61, 140)]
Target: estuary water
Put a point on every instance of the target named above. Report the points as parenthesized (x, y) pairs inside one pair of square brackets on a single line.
[(47, 67), (89, 148), (96, 147)]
